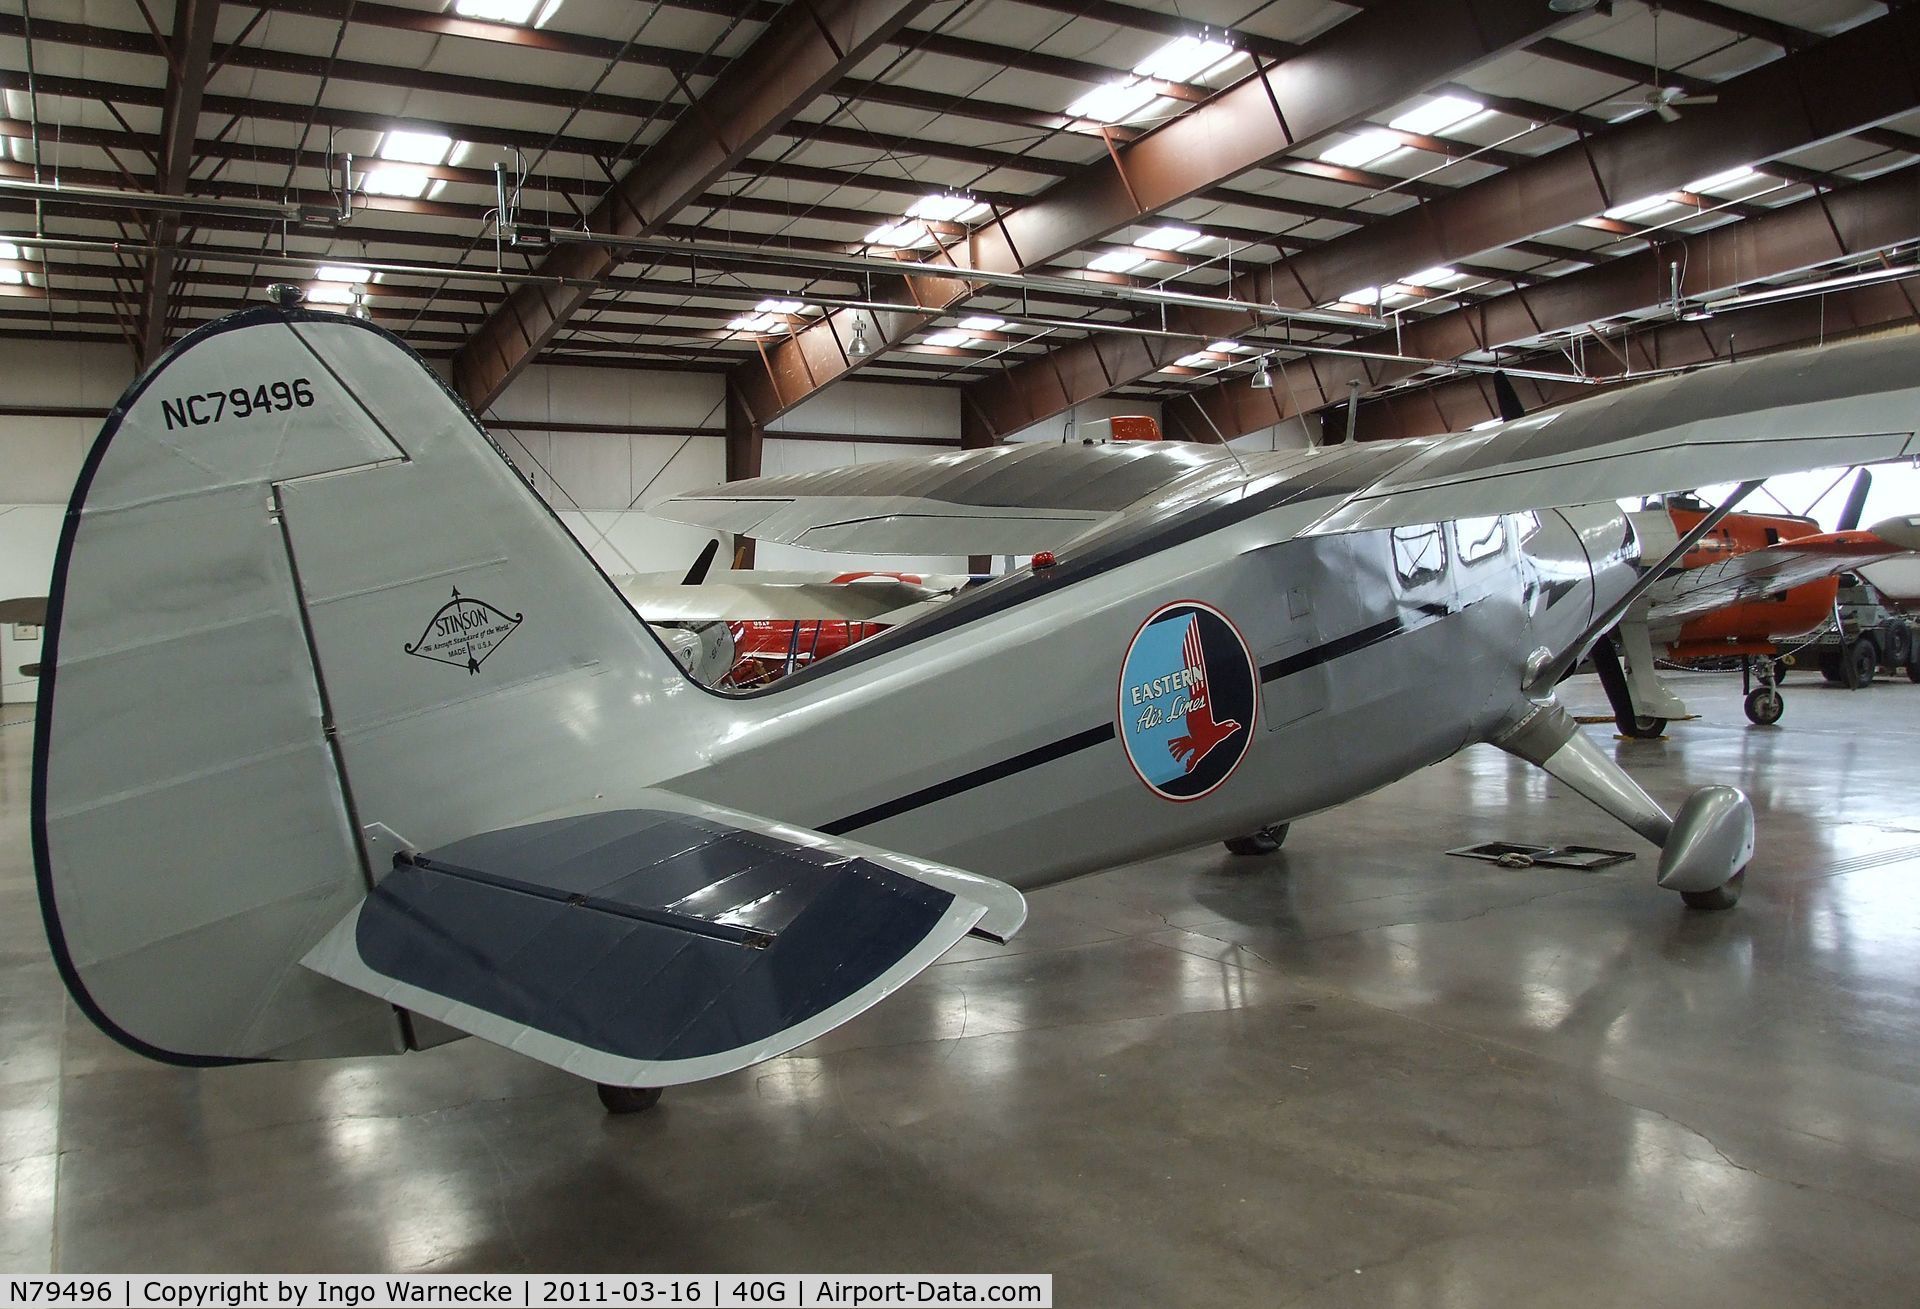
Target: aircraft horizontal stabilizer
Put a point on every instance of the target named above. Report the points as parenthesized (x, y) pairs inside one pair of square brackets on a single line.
[(658, 945)]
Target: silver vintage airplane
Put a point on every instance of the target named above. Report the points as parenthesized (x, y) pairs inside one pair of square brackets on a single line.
[(345, 746)]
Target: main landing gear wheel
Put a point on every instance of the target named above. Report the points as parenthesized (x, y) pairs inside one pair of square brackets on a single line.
[(1765, 706), (628, 1099), (1642, 728), (1724, 896), (1265, 841)]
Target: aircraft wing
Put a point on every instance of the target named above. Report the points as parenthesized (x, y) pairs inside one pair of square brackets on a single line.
[(1012, 499), (1757, 574), (655, 945), (1849, 404), (667, 600)]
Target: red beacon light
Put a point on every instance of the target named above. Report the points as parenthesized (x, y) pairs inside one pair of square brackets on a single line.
[(1043, 560)]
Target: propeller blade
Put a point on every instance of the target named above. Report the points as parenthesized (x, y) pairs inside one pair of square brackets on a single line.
[(1856, 501), (1508, 398), (698, 573)]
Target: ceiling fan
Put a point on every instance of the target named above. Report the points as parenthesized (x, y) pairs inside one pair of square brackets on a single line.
[(1663, 100)]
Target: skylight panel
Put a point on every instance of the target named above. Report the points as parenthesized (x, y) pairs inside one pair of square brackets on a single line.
[(1171, 238), (1198, 359), (946, 208), (343, 273), (1432, 278), (900, 235), (1226, 347), (403, 147), (1117, 261), (1438, 114), (1114, 102), (754, 323), (1635, 208), (1359, 151), (410, 183), (1720, 180), (329, 293), (501, 11), (983, 323), (788, 307), (950, 337), (1184, 58)]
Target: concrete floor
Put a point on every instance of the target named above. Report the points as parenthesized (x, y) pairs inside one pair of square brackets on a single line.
[(1357, 1073)]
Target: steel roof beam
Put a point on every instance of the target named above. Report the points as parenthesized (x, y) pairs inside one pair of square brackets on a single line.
[(1456, 405), (802, 52), (1358, 68), (1859, 219), (190, 53), (1860, 78)]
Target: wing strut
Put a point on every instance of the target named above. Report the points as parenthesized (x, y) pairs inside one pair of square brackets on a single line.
[(1605, 621)]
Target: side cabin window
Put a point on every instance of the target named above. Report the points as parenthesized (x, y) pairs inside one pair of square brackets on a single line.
[(1480, 538), (1419, 555)]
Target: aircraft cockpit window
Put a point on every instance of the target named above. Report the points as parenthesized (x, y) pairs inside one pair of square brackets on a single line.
[(1419, 554), (1480, 538)]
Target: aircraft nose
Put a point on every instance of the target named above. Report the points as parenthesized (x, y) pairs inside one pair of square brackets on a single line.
[(1903, 532)]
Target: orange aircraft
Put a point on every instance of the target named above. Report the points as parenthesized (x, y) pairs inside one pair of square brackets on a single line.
[(1754, 584)]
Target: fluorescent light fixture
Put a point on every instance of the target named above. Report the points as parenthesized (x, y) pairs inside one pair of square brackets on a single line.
[(946, 208), (1437, 115), (983, 323), (1432, 277), (900, 235), (948, 338), (779, 306), (1634, 208), (1226, 347), (329, 293), (1366, 295), (12, 276), (8, 250), (1359, 151), (410, 183), (1718, 180), (496, 11), (342, 273), (1117, 261), (753, 323), (1183, 59), (1198, 359), (1171, 238), (1113, 102), (403, 147)]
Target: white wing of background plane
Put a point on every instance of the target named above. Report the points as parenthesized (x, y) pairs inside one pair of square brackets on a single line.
[(1014, 499), (660, 598), (1851, 404)]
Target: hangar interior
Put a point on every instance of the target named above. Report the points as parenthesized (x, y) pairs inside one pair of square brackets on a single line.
[(660, 246)]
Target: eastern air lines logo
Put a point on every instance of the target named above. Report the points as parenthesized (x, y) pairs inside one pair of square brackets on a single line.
[(464, 632), (1187, 700)]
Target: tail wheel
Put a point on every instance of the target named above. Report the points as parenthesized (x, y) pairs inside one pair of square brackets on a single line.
[(1642, 728), (1265, 841), (628, 1099), (1765, 706), (1862, 661), (1724, 896)]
